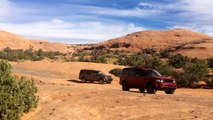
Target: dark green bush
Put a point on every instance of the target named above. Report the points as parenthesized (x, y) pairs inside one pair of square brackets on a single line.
[(178, 60), (196, 71), (139, 60), (149, 51), (166, 70), (28, 54), (181, 79), (192, 72), (164, 53), (210, 62), (123, 59), (115, 71), (17, 95)]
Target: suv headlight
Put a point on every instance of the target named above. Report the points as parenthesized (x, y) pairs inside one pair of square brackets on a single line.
[(160, 81)]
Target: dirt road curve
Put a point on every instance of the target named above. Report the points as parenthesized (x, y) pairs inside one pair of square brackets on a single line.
[(63, 97)]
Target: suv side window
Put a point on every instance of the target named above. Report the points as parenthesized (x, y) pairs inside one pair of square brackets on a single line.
[(132, 73), (124, 72), (82, 71), (93, 73), (139, 72)]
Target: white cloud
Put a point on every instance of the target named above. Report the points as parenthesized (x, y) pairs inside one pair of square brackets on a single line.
[(146, 5), (197, 28), (195, 15), (6, 9), (196, 10), (58, 29), (136, 12)]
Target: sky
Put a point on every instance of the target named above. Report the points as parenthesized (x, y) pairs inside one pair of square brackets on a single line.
[(92, 21)]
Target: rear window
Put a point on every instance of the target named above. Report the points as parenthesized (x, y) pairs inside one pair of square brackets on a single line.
[(82, 71)]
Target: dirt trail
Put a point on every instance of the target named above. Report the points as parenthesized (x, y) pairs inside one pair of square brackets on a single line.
[(63, 97)]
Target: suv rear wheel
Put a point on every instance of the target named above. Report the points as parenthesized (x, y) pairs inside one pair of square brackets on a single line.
[(101, 81), (83, 80), (125, 86), (169, 91), (151, 89), (142, 90), (108, 82)]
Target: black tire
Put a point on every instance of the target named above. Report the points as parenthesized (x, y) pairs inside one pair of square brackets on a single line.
[(169, 91), (83, 80), (151, 89), (142, 90), (125, 87), (108, 82), (101, 81)]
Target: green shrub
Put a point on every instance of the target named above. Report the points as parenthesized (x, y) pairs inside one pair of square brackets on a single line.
[(210, 62), (192, 72), (28, 54), (181, 79), (196, 71), (139, 60), (17, 95), (166, 70), (164, 53), (178, 60), (115, 71), (123, 59), (149, 51)]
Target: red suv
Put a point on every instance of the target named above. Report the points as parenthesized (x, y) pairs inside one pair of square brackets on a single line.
[(146, 79)]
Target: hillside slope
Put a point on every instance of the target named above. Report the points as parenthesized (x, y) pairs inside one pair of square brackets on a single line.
[(176, 40), (14, 41), (154, 39)]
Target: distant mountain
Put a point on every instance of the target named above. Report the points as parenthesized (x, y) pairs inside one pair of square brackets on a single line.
[(14, 41), (182, 41)]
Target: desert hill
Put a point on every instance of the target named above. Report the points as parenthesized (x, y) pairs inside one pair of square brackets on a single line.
[(52, 46), (181, 41), (14, 41), (153, 39)]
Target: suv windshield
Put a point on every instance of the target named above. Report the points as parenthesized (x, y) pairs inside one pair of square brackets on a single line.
[(151, 73)]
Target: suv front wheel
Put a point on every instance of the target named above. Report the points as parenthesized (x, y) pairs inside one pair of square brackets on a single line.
[(169, 91), (101, 81), (142, 90), (125, 86), (151, 89)]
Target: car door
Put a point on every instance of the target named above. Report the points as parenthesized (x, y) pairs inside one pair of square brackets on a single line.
[(88, 75), (131, 77), (139, 79), (94, 75)]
